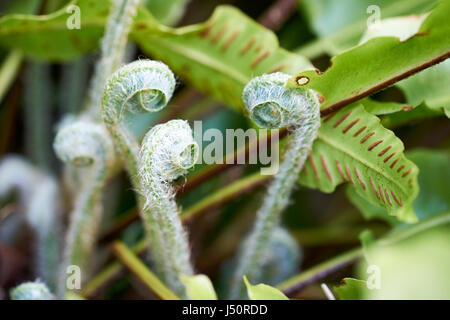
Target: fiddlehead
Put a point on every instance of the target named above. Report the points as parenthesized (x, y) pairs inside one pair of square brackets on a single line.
[(141, 86), (93, 157), (281, 258), (271, 105), (168, 151), (113, 45), (88, 147), (17, 174), (31, 291), (40, 197)]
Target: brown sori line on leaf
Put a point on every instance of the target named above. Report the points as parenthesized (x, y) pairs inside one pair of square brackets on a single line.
[(384, 151), (348, 127), (339, 168), (373, 145), (328, 117), (388, 157), (324, 164), (349, 175), (406, 173), (393, 163), (230, 40), (366, 137), (220, 34), (359, 131), (381, 193), (373, 188), (399, 202), (247, 47), (313, 166), (205, 33), (400, 168), (277, 69), (387, 197), (341, 119), (260, 59), (363, 185)]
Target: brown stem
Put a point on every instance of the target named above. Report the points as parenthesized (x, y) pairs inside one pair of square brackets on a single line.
[(277, 14)]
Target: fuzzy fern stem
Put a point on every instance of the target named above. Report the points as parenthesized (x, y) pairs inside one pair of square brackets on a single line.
[(168, 151), (87, 147), (40, 197), (271, 105), (113, 45)]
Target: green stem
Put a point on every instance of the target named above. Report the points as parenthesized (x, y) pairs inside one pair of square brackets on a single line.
[(8, 71), (109, 273), (147, 277), (38, 110), (73, 86)]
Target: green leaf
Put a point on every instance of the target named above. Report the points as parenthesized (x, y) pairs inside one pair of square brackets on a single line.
[(199, 287), (434, 183), (353, 147), (429, 87), (168, 12), (414, 268), (11, 65), (263, 292), (218, 56), (197, 54), (350, 289), (340, 24), (400, 27), (380, 62), (382, 107), (368, 210), (47, 37), (367, 239), (22, 7), (397, 119)]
